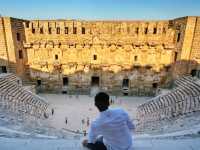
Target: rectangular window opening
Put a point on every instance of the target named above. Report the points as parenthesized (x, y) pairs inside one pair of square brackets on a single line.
[(75, 30), (155, 85), (20, 54), (3, 69), (125, 83), (178, 37), (39, 82), (18, 37), (33, 30), (145, 30), (95, 57), (56, 57), (83, 30), (58, 30), (175, 56), (154, 30), (66, 30), (27, 24), (50, 30), (41, 31), (137, 30), (95, 81), (135, 58)]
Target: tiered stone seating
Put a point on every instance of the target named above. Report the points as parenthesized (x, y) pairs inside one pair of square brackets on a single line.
[(22, 101), (182, 100), (188, 83), (11, 78)]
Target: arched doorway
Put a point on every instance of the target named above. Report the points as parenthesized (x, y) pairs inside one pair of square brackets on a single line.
[(125, 86), (95, 81), (193, 72), (125, 83)]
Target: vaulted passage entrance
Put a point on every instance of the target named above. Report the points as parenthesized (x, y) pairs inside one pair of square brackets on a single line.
[(65, 81), (95, 81), (125, 83), (193, 72), (3, 69)]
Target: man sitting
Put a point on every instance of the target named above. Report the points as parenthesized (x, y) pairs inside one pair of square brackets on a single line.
[(113, 126)]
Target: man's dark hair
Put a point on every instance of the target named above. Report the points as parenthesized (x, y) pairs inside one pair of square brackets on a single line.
[(102, 101)]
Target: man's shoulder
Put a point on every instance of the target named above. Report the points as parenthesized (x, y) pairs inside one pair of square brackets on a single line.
[(118, 110), (95, 122)]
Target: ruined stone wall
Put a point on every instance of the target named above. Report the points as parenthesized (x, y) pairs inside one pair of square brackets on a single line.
[(12, 40), (187, 46), (184, 30), (195, 53), (112, 42), (3, 45), (111, 50), (19, 38), (144, 52)]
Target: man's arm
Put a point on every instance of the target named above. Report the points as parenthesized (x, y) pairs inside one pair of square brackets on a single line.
[(92, 134), (130, 123)]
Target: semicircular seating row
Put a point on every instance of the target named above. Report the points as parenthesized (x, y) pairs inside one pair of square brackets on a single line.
[(184, 99), (15, 98)]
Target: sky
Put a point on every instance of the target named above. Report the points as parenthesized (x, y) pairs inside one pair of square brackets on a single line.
[(100, 9)]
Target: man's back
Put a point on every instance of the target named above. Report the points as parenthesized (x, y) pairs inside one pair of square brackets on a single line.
[(115, 127)]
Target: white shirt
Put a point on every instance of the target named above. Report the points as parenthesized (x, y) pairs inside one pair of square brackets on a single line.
[(115, 126)]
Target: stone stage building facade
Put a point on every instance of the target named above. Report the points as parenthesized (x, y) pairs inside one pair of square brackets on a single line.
[(135, 57)]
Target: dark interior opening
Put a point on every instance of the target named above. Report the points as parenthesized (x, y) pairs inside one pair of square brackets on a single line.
[(155, 85), (65, 81), (95, 57), (56, 57), (20, 54), (50, 30), (39, 82), (154, 30), (64, 92), (146, 31), (83, 30), (66, 30), (178, 37), (193, 72), (3, 69), (137, 30), (125, 83), (125, 94), (175, 56), (167, 68), (75, 30), (95, 81)]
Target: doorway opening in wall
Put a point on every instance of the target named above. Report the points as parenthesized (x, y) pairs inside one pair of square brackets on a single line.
[(65, 81), (154, 85), (175, 56), (193, 72), (65, 84), (125, 87), (3, 69), (39, 82), (95, 81), (125, 83), (39, 85)]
